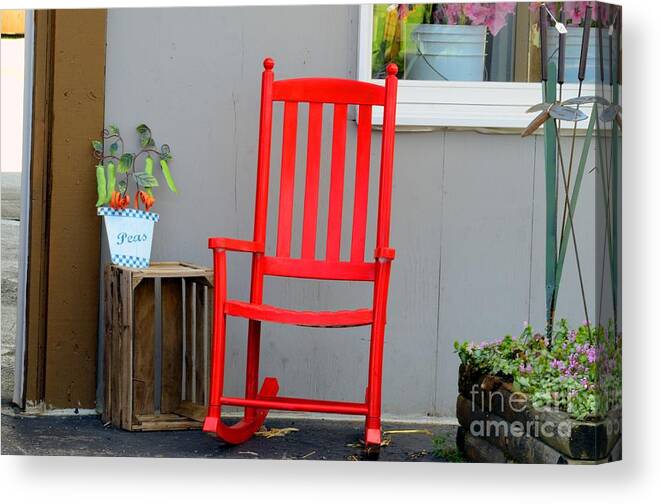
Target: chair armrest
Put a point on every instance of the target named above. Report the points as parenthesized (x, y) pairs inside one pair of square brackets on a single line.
[(385, 253), (235, 245)]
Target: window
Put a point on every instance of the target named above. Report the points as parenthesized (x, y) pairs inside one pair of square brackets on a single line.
[(473, 64)]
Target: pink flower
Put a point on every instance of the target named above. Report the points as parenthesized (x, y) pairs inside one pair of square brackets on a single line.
[(499, 15), (493, 15), (452, 13), (478, 13), (575, 12), (534, 7)]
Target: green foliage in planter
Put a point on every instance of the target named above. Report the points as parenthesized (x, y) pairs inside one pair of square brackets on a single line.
[(115, 192), (579, 372)]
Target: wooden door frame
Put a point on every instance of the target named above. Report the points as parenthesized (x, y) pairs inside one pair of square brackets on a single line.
[(63, 233)]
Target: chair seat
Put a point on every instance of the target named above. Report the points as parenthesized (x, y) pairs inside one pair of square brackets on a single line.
[(268, 313)]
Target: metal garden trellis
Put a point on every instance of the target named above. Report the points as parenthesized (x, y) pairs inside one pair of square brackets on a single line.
[(553, 110), (315, 92)]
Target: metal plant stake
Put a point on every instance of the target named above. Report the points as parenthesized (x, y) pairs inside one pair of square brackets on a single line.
[(552, 112)]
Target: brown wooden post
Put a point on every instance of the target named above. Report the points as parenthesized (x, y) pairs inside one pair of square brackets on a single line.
[(64, 231)]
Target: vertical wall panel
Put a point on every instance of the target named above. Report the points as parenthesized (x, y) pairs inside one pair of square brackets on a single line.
[(485, 243)]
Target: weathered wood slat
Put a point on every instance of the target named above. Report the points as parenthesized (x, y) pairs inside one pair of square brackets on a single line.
[(161, 425), (189, 358), (210, 294), (200, 347), (172, 333), (191, 410), (126, 346), (144, 339)]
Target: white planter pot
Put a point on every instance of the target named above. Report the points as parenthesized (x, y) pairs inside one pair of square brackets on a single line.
[(130, 234), (448, 52)]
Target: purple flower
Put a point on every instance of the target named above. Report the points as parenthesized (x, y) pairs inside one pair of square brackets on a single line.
[(592, 355), (558, 364)]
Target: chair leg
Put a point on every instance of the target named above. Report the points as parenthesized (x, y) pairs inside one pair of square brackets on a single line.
[(373, 420), (216, 381), (253, 418), (374, 380), (218, 343), (252, 364)]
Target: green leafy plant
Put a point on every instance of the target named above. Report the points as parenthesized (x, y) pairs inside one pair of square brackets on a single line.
[(120, 164), (446, 449), (579, 371)]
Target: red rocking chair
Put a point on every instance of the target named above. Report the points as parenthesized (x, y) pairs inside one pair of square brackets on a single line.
[(315, 92)]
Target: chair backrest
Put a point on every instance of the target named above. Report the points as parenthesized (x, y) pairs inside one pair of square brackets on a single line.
[(315, 92)]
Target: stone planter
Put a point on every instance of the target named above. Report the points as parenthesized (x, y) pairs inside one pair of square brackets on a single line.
[(499, 425)]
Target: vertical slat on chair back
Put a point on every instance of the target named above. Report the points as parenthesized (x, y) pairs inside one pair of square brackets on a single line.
[(336, 192), (314, 93), (362, 183), (309, 240), (287, 175)]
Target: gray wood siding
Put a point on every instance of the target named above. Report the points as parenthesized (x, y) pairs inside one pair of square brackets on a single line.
[(468, 207)]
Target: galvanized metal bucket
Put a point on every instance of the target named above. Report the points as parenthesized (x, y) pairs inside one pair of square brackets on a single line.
[(447, 52), (573, 53)]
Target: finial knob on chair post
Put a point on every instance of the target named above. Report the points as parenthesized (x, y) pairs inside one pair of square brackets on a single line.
[(269, 64), (392, 69)]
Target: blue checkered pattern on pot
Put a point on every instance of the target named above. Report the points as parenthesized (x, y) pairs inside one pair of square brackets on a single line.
[(129, 212), (130, 261)]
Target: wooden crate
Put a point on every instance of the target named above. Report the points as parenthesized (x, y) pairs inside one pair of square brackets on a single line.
[(157, 346)]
